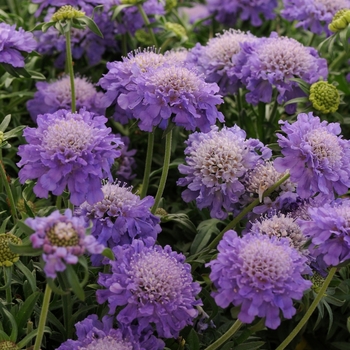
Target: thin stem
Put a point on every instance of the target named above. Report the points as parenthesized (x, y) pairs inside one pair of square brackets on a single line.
[(165, 171), (67, 307), (148, 164), (335, 62), (147, 22), (8, 280), (226, 336), (310, 310), (43, 316), (69, 62), (11, 201)]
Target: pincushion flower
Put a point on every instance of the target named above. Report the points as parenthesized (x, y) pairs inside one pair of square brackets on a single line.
[(69, 150), (50, 97), (261, 274), (313, 15), (328, 227), (318, 158), (13, 42), (153, 285), (229, 11), (172, 92), (94, 334), (217, 58), (216, 165), (121, 216), (62, 237), (271, 62)]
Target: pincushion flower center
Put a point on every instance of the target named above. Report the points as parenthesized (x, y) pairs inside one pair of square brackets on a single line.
[(108, 343), (72, 135), (63, 234)]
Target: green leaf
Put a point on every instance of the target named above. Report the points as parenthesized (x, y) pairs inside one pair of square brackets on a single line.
[(250, 346), (193, 340), (36, 75), (28, 275), (205, 230), (24, 342), (3, 336), (5, 123), (91, 25), (15, 132), (341, 345), (108, 253), (118, 9), (46, 26), (26, 310), (182, 219), (297, 100), (73, 282), (14, 329), (25, 249)]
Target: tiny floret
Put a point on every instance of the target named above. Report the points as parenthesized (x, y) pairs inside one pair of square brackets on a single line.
[(67, 12), (7, 257), (324, 97)]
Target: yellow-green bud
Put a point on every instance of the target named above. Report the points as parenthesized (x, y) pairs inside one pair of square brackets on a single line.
[(132, 2), (170, 4), (324, 97), (340, 20), (177, 29), (66, 12), (161, 212), (21, 206), (317, 282), (8, 345), (1, 137), (7, 258), (143, 37)]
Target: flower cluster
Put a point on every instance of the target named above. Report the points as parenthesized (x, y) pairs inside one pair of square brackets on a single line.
[(317, 158), (62, 237), (69, 150), (216, 165), (153, 285), (261, 274), (13, 42), (271, 62), (55, 95)]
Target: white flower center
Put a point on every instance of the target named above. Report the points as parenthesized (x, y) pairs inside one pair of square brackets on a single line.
[(108, 343)]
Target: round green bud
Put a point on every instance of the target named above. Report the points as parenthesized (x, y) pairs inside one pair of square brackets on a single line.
[(170, 4), (143, 37), (324, 97), (7, 257), (177, 29), (340, 20), (8, 345), (161, 212), (317, 282), (66, 12)]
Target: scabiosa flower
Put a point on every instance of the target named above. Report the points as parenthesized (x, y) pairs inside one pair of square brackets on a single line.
[(94, 334), (7, 257), (121, 216), (216, 165), (228, 11), (13, 42), (324, 97), (329, 230), (313, 15), (125, 164), (272, 62), (317, 158), (217, 58), (154, 286), (62, 237), (69, 150), (261, 274), (50, 97)]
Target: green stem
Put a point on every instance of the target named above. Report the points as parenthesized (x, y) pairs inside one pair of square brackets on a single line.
[(69, 61), (67, 307), (11, 201), (245, 211), (43, 317), (335, 62), (147, 22), (310, 310), (165, 44), (164, 175), (313, 36), (226, 336), (8, 280), (148, 164)]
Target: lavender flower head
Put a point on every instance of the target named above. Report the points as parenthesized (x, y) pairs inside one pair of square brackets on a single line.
[(261, 274), (50, 97), (216, 165), (172, 92), (120, 217), (229, 11), (69, 150), (328, 227), (96, 335), (13, 42), (62, 238), (154, 286), (313, 15), (272, 62), (217, 58), (318, 158)]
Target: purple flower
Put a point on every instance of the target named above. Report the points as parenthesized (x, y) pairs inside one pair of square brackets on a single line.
[(317, 158), (196, 12), (271, 62), (216, 165), (172, 92), (217, 58), (126, 163), (63, 239), (94, 334), (228, 11), (56, 95), (328, 227), (313, 15), (120, 217), (69, 150), (261, 274), (13, 42), (154, 286)]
